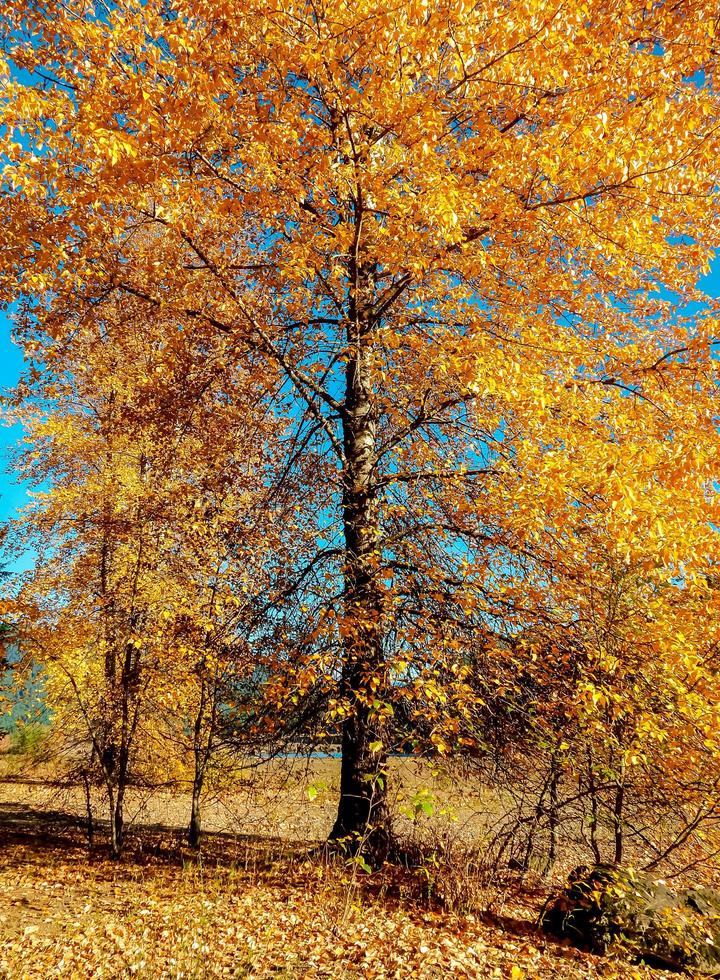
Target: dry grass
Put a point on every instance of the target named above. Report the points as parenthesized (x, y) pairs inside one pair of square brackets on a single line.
[(270, 800)]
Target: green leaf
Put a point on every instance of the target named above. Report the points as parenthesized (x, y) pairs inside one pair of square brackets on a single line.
[(422, 801), (361, 862), (312, 792)]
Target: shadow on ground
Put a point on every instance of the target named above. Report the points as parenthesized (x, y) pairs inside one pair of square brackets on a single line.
[(55, 829)]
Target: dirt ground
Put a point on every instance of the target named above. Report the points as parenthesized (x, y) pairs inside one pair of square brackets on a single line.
[(294, 799), (257, 902)]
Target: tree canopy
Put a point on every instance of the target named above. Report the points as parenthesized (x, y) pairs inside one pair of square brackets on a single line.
[(444, 258)]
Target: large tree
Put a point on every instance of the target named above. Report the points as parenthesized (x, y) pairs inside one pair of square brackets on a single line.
[(462, 233)]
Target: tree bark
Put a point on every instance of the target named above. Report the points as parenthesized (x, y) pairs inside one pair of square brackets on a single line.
[(195, 828), (117, 836), (592, 787), (553, 813), (88, 809), (362, 817), (618, 817), (203, 738), (115, 841)]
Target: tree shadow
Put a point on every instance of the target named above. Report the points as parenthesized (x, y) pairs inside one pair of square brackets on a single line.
[(530, 929), (23, 824), (45, 830)]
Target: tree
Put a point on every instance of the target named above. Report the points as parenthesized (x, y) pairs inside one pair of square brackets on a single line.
[(149, 566), (463, 236), (600, 717)]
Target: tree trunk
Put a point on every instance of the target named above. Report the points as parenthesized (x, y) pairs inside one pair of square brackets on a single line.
[(88, 809), (553, 812), (592, 787), (115, 841), (201, 752), (117, 835), (117, 784), (361, 814), (618, 816), (194, 828)]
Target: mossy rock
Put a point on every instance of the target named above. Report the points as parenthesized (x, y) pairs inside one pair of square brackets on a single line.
[(611, 907)]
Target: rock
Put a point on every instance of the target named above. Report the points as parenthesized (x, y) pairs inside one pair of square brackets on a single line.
[(633, 912)]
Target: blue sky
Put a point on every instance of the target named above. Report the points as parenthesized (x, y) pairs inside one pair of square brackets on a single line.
[(12, 495)]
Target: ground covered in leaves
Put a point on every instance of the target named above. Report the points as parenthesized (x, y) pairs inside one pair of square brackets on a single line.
[(248, 908)]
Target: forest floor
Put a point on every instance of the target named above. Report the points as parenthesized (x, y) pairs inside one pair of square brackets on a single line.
[(260, 906)]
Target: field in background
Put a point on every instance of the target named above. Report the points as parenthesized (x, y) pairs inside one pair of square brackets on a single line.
[(294, 799)]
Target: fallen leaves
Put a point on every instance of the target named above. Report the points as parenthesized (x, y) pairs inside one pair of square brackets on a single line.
[(110, 920)]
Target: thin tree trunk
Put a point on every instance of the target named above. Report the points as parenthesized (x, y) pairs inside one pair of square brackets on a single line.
[(118, 823), (88, 810), (117, 817), (201, 752), (195, 826), (618, 820), (115, 842), (129, 679), (592, 787), (553, 814)]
